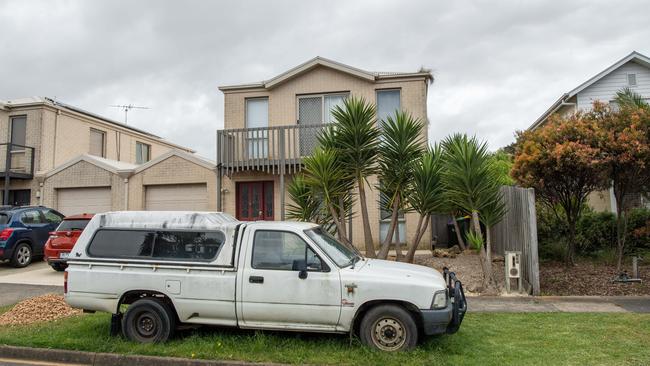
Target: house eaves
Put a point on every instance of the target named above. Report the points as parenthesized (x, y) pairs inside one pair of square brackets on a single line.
[(321, 61), (52, 103), (208, 164), (112, 166), (633, 56)]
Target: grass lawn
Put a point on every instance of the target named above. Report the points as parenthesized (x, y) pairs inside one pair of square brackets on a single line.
[(484, 338)]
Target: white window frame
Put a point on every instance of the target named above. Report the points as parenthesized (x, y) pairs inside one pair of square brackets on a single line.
[(103, 133), (148, 157), (344, 94)]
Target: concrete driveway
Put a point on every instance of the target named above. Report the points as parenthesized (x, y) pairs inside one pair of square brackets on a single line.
[(37, 273), (17, 284)]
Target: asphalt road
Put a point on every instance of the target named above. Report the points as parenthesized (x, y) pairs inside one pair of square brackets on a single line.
[(17, 284)]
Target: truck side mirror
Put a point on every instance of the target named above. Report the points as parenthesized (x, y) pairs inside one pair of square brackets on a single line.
[(300, 265)]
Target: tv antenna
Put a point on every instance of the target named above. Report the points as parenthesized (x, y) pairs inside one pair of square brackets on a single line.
[(126, 108)]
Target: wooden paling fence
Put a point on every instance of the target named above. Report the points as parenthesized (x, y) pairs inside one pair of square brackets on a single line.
[(518, 232)]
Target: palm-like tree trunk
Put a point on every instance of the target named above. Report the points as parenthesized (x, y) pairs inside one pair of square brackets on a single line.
[(367, 233), (423, 224), (340, 230), (385, 245), (459, 235), (489, 284)]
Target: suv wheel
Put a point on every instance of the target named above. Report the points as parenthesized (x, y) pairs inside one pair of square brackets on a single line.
[(22, 256), (389, 328), (148, 321)]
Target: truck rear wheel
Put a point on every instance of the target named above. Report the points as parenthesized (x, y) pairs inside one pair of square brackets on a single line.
[(148, 321), (389, 328)]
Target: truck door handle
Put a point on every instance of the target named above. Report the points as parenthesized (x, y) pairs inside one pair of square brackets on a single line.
[(256, 279)]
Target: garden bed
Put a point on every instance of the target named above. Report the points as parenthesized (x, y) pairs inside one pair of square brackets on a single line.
[(589, 278), (467, 266)]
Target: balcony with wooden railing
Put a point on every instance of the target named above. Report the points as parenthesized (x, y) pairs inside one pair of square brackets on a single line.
[(16, 161), (274, 150)]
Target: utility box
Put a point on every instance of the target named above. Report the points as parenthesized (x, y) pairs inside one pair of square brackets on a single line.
[(513, 270)]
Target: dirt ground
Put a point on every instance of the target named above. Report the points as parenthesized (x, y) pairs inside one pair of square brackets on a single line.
[(590, 279), (467, 267)]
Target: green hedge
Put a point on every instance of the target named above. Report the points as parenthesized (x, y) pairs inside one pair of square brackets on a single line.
[(595, 233)]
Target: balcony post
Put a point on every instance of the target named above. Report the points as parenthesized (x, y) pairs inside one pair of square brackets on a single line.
[(219, 172), (282, 170), (7, 174)]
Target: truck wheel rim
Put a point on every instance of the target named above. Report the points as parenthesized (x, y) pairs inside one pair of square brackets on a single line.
[(388, 334), (146, 325), (23, 255)]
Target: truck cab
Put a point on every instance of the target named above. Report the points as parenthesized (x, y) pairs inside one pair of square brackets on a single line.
[(208, 268)]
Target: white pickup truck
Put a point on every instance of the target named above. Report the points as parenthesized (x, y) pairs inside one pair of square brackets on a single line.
[(174, 268)]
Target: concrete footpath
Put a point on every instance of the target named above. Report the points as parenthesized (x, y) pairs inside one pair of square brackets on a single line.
[(567, 304)]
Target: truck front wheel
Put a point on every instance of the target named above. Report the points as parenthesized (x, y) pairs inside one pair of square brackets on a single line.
[(148, 321), (389, 328)]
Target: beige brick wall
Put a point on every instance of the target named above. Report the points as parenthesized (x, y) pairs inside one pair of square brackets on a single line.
[(282, 99), (83, 174), (174, 170), (600, 201), (283, 111)]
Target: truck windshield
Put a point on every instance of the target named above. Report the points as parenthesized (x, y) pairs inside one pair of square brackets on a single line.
[(339, 253)]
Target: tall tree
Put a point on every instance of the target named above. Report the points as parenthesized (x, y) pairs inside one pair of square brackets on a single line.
[(355, 137), (625, 143), (563, 162), (471, 183), (425, 193), (401, 144), (329, 181)]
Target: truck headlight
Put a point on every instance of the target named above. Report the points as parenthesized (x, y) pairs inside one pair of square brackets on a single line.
[(439, 300)]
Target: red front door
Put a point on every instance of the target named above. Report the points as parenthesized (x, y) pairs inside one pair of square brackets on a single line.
[(254, 201)]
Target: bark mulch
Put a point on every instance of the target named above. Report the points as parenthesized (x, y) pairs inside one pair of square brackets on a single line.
[(589, 278), (38, 309)]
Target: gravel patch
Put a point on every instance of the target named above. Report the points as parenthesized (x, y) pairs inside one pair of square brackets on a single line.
[(38, 309), (467, 267)]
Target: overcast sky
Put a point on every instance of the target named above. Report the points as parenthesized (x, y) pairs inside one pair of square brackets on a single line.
[(497, 64)]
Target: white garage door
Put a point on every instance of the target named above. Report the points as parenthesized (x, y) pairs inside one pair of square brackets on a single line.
[(176, 197), (72, 201)]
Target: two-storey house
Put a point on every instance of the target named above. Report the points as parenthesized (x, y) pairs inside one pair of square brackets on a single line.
[(632, 71), (76, 161), (269, 126)]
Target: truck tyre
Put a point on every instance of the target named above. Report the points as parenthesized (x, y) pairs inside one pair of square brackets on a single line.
[(22, 256), (148, 321), (59, 267), (389, 328)]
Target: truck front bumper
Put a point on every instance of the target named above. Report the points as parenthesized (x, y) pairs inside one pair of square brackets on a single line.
[(447, 320)]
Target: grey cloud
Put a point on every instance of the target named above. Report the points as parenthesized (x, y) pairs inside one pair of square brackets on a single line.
[(498, 65)]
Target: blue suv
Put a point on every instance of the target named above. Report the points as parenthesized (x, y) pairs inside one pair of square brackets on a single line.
[(24, 231)]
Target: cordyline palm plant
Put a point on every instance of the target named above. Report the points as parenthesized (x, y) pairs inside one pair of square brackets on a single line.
[(469, 179), (491, 214), (305, 205), (401, 145), (329, 181), (425, 192), (355, 139)]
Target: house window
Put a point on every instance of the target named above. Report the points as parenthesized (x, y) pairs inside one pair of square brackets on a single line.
[(142, 153), (385, 214), (97, 143), (631, 79), (317, 109), (314, 110), (388, 102), (257, 118), (18, 131)]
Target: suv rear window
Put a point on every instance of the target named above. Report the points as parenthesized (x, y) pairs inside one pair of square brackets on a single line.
[(170, 245), (72, 225)]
